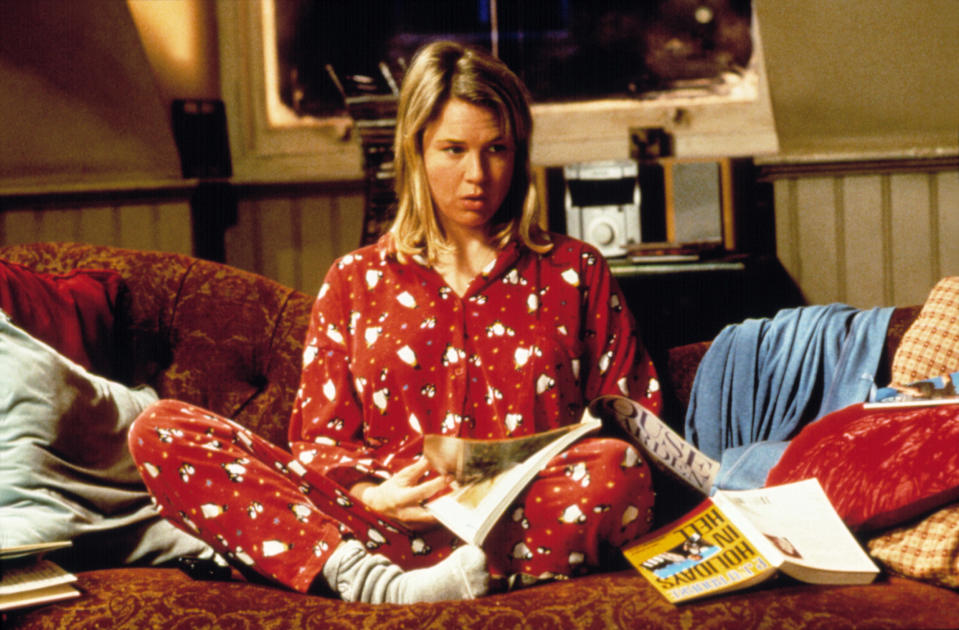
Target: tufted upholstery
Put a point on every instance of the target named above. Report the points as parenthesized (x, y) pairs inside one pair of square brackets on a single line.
[(244, 331), (230, 341)]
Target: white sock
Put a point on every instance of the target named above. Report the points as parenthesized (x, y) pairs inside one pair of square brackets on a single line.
[(359, 576)]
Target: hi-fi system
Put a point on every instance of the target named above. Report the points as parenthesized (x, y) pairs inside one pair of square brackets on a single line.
[(637, 206), (602, 202)]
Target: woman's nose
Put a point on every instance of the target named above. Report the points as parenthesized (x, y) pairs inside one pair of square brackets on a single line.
[(476, 167)]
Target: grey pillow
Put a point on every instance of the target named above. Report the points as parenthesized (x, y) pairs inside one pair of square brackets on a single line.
[(65, 468)]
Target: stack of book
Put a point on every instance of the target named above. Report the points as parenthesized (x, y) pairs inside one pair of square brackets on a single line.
[(29, 579)]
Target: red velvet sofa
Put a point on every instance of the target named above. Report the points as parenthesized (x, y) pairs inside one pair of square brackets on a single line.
[(230, 341)]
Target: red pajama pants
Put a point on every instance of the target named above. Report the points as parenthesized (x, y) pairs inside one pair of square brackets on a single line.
[(255, 503)]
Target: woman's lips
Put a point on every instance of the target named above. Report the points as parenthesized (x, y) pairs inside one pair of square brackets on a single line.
[(474, 202)]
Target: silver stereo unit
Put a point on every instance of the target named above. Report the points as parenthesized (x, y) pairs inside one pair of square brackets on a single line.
[(602, 204)]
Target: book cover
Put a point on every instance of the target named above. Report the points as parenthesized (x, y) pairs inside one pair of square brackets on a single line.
[(940, 390), (489, 474), (736, 539)]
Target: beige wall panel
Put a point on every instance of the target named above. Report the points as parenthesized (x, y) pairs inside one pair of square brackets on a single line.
[(156, 226), (331, 228), (242, 240), (295, 240), (174, 229), (947, 198), (138, 226), (818, 251), (787, 229), (279, 240), (19, 226), (98, 226), (319, 222), (58, 224), (349, 213), (865, 268), (913, 243)]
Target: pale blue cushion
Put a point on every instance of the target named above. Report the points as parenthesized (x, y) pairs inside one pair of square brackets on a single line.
[(65, 469)]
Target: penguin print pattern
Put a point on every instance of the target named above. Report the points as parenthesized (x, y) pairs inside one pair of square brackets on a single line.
[(392, 354)]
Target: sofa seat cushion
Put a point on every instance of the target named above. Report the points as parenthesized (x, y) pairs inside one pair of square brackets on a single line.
[(149, 598)]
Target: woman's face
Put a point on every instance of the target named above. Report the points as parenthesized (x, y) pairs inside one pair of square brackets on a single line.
[(469, 165)]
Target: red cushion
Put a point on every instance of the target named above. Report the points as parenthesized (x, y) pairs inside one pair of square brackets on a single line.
[(879, 467), (74, 313)]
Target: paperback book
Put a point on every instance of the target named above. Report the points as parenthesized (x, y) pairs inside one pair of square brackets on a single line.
[(941, 390), (736, 539), (28, 579), (489, 474)]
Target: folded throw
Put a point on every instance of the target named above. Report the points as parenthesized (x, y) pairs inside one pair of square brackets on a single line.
[(764, 379)]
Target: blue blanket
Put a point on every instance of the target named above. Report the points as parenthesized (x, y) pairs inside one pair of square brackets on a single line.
[(764, 379)]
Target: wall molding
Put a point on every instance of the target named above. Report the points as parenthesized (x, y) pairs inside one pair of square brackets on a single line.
[(181, 191), (870, 166)]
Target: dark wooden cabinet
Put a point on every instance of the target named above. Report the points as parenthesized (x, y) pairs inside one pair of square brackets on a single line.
[(680, 303)]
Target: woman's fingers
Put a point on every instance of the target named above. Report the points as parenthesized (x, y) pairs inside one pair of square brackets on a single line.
[(412, 473), (427, 489)]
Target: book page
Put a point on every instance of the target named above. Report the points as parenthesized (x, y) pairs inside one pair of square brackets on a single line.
[(22, 551), (471, 459), (471, 510), (36, 597), (800, 522), (18, 578)]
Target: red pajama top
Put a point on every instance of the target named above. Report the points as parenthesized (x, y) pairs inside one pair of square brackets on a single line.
[(392, 353)]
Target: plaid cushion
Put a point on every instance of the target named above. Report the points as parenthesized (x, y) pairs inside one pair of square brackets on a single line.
[(928, 550), (930, 347)]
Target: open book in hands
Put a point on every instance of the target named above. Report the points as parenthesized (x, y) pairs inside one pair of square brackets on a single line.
[(735, 539), (489, 474)]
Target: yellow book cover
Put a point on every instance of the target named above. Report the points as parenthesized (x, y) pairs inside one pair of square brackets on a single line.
[(702, 554), (735, 539)]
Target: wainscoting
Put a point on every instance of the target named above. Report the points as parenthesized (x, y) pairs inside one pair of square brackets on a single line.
[(294, 236), (867, 234), (290, 233), (133, 220)]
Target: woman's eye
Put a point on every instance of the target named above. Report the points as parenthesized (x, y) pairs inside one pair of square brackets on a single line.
[(499, 148), (453, 149)]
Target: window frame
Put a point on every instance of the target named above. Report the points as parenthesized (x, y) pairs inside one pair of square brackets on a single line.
[(268, 143)]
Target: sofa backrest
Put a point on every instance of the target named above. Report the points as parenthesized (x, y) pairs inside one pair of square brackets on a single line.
[(227, 340)]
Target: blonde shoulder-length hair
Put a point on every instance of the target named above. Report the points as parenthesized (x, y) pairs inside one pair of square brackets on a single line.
[(439, 72)]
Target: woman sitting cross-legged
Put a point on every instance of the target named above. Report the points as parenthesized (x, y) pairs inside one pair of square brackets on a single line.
[(466, 319)]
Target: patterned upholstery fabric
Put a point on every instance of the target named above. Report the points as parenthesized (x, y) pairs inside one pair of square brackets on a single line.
[(931, 345), (224, 339), (230, 341), (153, 598), (928, 550)]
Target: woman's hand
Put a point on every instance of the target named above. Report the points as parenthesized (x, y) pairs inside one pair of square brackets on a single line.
[(401, 497)]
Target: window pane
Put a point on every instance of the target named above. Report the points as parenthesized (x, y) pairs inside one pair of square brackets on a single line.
[(563, 49), (588, 49)]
